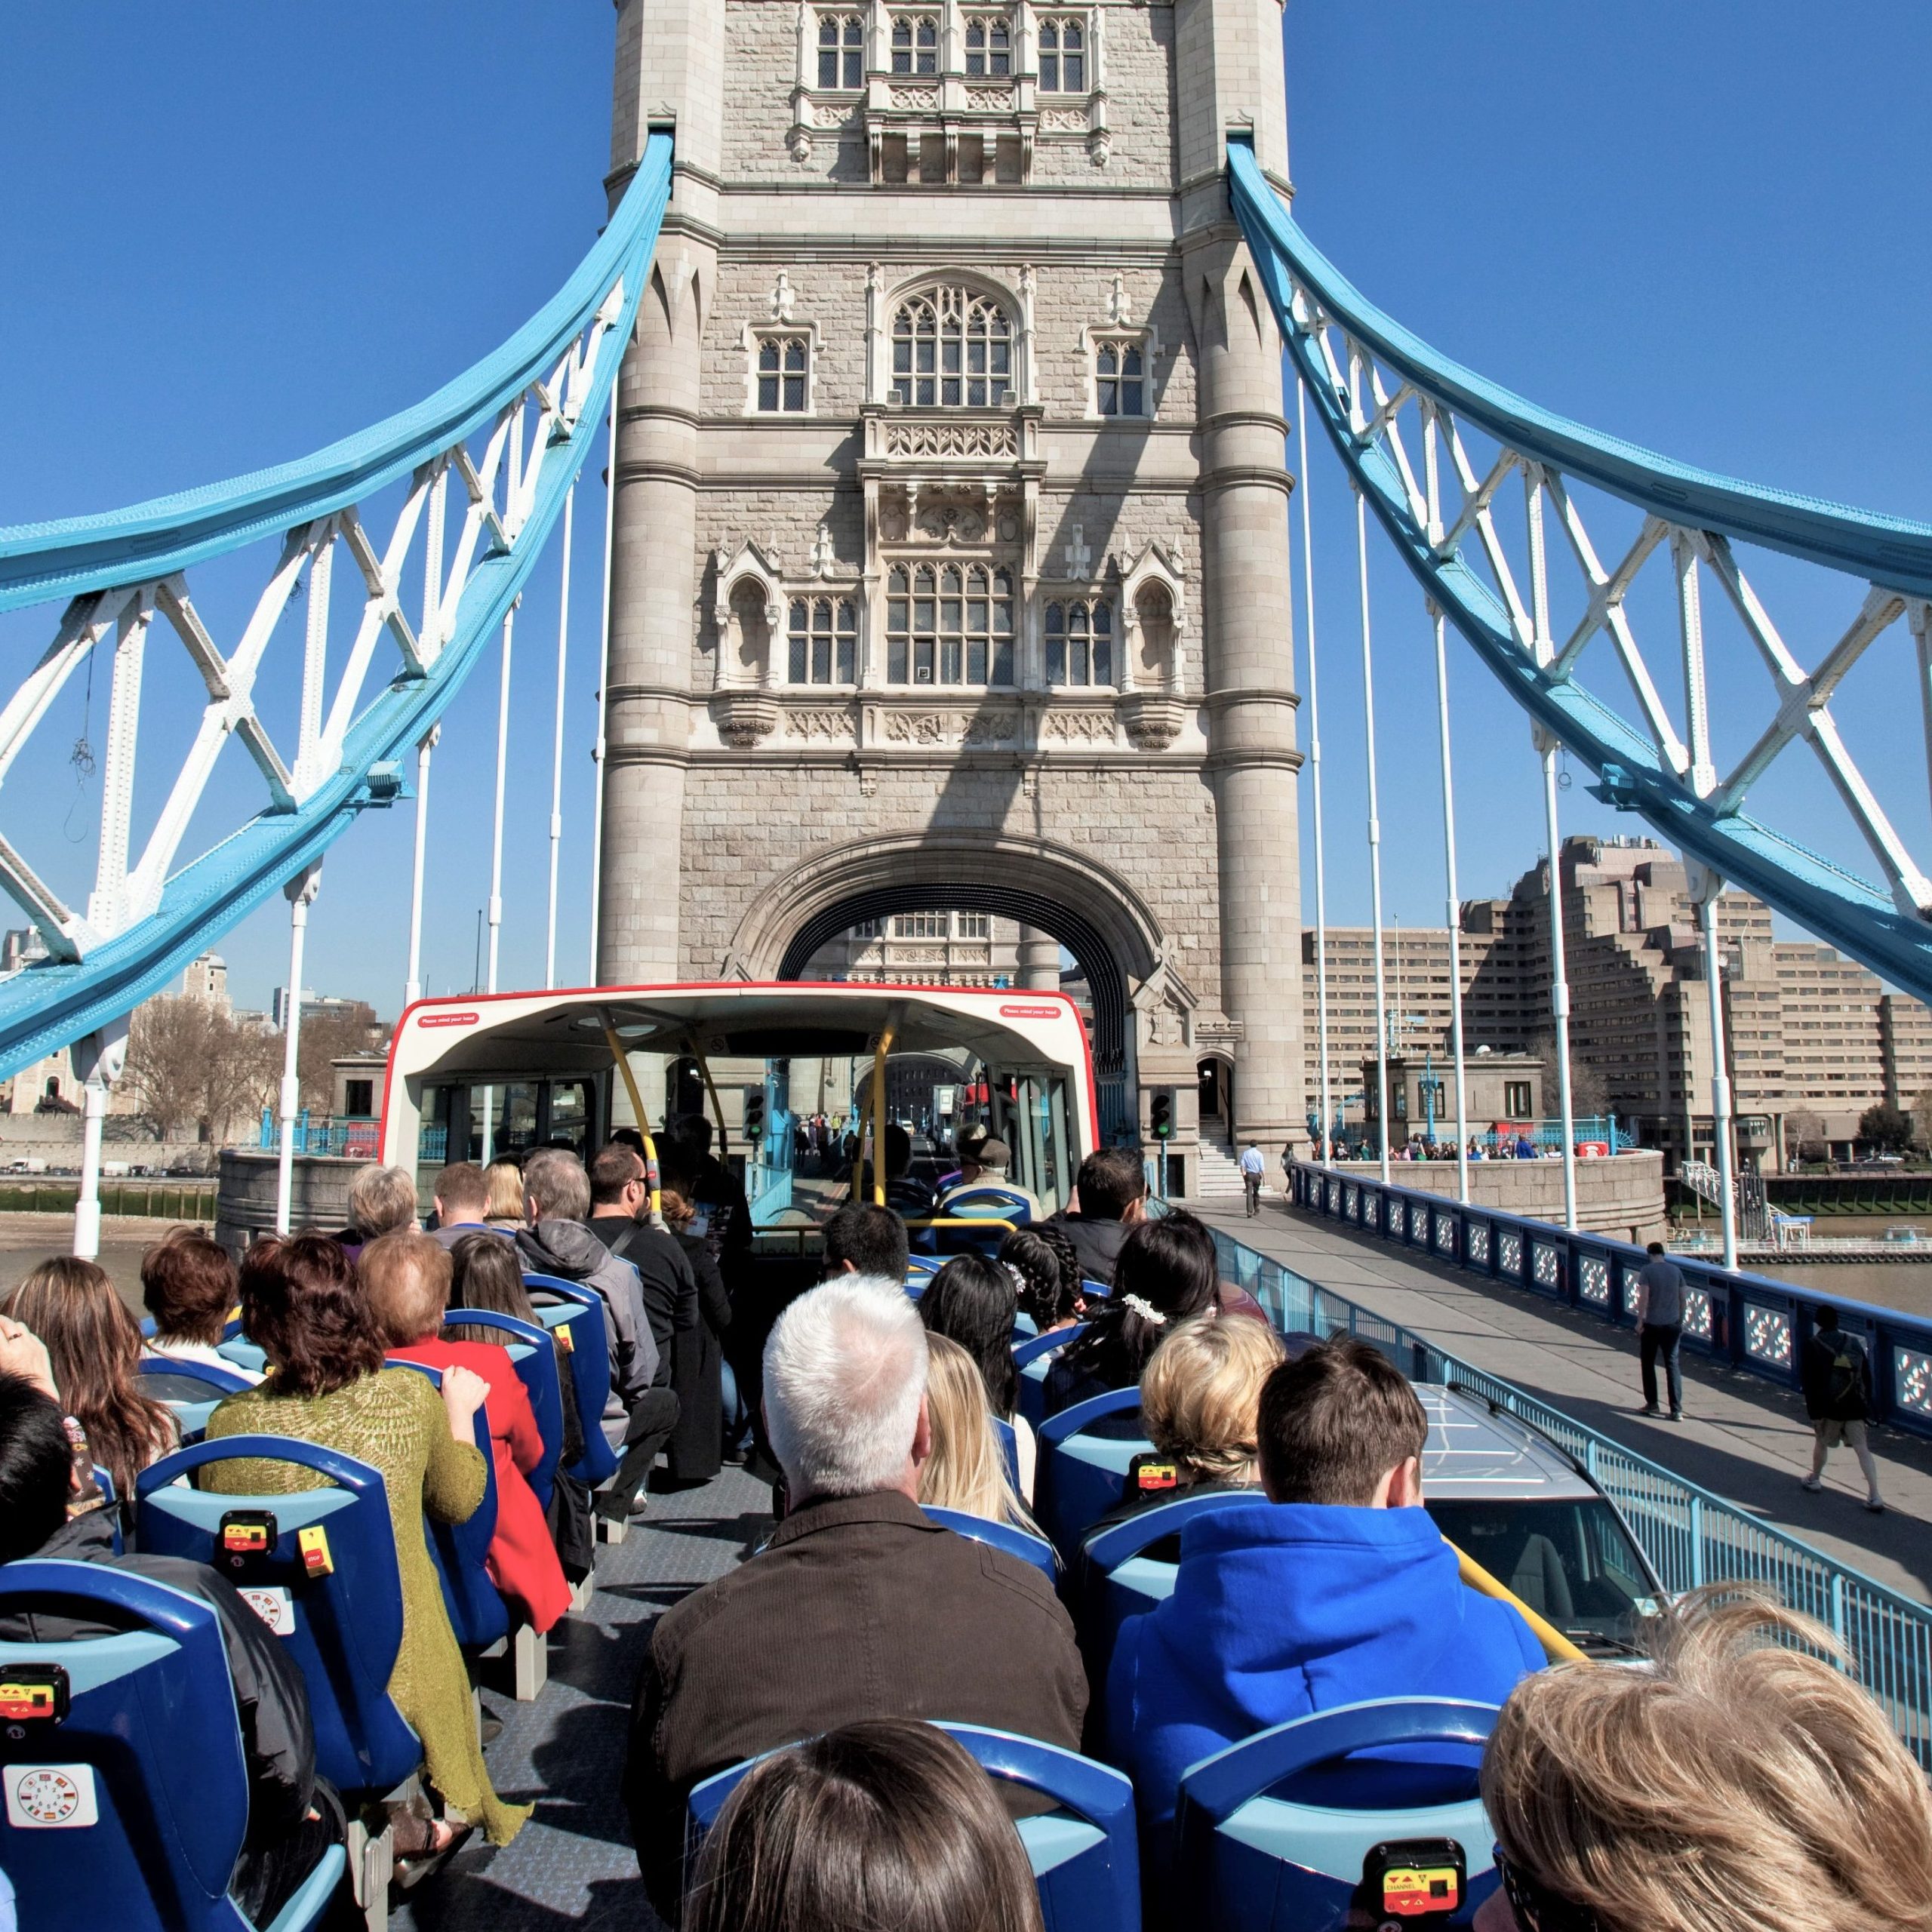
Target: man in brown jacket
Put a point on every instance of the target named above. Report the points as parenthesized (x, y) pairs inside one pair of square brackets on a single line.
[(859, 1606)]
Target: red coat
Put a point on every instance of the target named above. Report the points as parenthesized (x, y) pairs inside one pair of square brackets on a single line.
[(523, 1560)]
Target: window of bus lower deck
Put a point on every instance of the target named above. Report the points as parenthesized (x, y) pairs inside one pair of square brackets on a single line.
[(1037, 1128), (517, 1115)]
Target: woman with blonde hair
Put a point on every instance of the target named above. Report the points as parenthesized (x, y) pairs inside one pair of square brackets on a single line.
[(506, 1204), (93, 1346), (1200, 1402), (966, 1470), (1741, 1783)]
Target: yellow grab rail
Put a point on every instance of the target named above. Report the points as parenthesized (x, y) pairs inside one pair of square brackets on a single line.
[(1556, 1647), (617, 1054)]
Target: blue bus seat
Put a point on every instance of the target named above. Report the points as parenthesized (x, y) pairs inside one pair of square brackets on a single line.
[(1085, 1857), (1257, 1849), (237, 1349), (1025, 1328), (1083, 1464), (919, 1268), (1033, 1359), (478, 1613), (1009, 1447), (1035, 1550), (1118, 1577), (989, 1202), (589, 1367), (533, 1352), (139, 1789), (111, 1500), (1099, 1291), (342, 1626), (167, 1380)]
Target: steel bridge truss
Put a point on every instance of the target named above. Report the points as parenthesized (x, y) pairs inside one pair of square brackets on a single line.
[(1416, 432), (485, 465)]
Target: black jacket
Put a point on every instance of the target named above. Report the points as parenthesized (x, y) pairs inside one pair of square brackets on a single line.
[(277, 1743), (1097, 1243), (664, 1279), (859, 1606), (696, 1449), (1816, 1376)]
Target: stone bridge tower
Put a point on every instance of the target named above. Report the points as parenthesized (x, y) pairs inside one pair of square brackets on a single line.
[(951, 553)]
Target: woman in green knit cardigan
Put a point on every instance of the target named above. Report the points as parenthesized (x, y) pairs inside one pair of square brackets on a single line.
[(302, 1306)]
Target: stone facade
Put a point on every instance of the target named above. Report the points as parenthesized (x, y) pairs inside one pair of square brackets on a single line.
[(950, 564)]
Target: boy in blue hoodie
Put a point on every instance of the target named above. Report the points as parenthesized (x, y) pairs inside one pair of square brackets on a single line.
[(1338, 1588)]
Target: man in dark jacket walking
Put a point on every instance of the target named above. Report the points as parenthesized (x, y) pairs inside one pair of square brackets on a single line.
[(1660, 1328), (1836, 1374), (293, 1817)]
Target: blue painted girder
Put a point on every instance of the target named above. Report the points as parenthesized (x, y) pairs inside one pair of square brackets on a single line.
[(1842, 908), (48, 1005)]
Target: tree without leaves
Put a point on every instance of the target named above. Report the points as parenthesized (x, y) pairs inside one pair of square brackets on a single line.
[(327, 1037), (191, 1065), (1805, 1136), (1589, 1092)]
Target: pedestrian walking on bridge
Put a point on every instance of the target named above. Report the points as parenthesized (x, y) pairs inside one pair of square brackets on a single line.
[(1660, 1327), (1253, 1167), (1835, 1372)]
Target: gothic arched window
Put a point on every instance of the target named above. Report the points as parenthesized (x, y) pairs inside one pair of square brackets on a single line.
[(1062, 55), (988, 48), (842, 50), (914, 44), (949, 624), (824, 640), (951, 348), (1080, 641)]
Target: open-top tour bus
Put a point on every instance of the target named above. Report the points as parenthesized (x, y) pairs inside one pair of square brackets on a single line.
[(472, 1077)]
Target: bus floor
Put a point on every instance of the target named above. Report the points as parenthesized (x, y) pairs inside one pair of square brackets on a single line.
[(572, 1864), (1745, 1438)]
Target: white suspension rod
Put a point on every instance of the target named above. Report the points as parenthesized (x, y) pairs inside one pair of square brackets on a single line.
[(1432, 469), (603, 681), (1707, 921), (557, 743), (1325, 1131), (301, 892), (1374, 841), (496, 911), (412, 990)]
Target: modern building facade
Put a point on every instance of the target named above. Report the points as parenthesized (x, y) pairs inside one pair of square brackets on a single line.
[(950, 564), (1810, 1038)]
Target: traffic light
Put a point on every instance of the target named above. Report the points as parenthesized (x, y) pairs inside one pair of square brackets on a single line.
[(1161, 1116), (754, 1115)]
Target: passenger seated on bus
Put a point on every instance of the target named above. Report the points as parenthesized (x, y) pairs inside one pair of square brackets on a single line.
[(884, 1822), (967, 1468), (973, 1301), (462, 1197), (1200, 1405), (1111, 1189), (971, 1140), (1165, 1272), (995, 1157), (302, 1304), (487, 1274), (912, 1198), (381, 1200), (859, 1606), (720, 1194), (1742, 1779), (1046, 1273), (94, 1345), (504, 1207), (293, 1817), (639, 1414), (1335, 1588), (696, 1449), (868, 1242), (188, 1285), (407, 1278)]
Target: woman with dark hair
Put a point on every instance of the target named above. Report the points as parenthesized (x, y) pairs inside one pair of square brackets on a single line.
[(1046, 1272), (972, 1301), (488, 1274), (695, 1451), (885, 1822), (94, 1347), (1165, 1273), (188, 1284), (302, 1306)]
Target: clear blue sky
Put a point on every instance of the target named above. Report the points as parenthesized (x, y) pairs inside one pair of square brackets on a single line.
[(234, 232)]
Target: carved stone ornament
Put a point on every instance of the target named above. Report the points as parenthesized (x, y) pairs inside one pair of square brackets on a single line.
[(991, 727), (1153, 719), (917, 727), (744, 718), (1086, 727), (819, 727)]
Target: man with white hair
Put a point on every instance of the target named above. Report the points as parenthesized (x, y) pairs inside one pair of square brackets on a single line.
[(859, 1606)]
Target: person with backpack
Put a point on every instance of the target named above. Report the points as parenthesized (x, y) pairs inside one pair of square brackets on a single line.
[(1836, 1374)]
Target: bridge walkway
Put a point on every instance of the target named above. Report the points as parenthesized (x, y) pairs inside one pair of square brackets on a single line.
[(1744, 1439)]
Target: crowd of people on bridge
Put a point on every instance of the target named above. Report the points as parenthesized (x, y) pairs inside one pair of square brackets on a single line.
[(1737, 1779)]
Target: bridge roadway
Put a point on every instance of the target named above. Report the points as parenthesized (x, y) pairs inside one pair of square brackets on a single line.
[(1743, 1438)]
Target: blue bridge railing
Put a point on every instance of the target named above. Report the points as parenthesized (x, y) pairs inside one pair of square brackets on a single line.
[(1749, 1322), (1691, 1535)]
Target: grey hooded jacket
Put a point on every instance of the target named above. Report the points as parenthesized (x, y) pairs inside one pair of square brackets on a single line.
[(569, 1250)]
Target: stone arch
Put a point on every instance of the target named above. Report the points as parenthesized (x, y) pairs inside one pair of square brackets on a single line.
[(747, 613), (1090, 909)]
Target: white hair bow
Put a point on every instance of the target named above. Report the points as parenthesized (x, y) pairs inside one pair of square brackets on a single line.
[(1146, 1310)]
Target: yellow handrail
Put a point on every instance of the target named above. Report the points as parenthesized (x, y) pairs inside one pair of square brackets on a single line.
[(963, 1221), (617, 1046), (878, 1104), (1556, 1647)]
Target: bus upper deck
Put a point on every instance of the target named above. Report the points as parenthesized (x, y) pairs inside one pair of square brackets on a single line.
[(471, 1077)]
